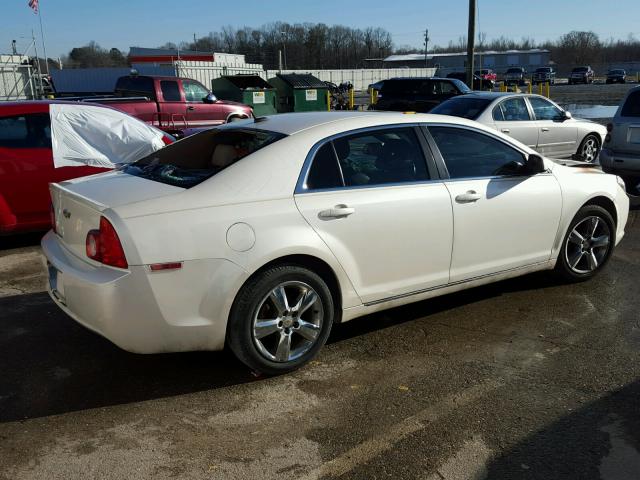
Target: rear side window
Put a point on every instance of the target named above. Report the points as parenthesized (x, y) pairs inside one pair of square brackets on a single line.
[(379, 157), (170, 91), (511, 110), (194, 159), (26, 131), (631, 106)]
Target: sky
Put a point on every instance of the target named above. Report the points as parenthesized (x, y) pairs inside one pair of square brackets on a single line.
[(150, 23)]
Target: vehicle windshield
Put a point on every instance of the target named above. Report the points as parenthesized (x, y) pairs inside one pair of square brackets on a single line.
[(543, 70), (194, 159), (580, 69), (462, 106), (514, 70), (616, 72)]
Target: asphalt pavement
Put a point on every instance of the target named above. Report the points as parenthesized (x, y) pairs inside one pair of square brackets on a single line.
[(524, 379)]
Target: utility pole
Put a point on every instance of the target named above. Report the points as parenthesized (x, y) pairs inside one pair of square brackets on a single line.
[(195, 43), (471, 37), (426, 47)]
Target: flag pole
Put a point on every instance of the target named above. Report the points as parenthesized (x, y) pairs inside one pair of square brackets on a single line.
[(44, 49)]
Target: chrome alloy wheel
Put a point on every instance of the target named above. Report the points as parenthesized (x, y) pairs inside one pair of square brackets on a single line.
[(589, 150), (587, 245), (288, 321)]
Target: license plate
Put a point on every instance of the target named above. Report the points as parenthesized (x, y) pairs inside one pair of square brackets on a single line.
[(55, 282)]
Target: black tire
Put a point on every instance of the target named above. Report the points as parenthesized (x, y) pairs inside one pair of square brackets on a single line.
[(570, 250), (589, 155), (255, 296)]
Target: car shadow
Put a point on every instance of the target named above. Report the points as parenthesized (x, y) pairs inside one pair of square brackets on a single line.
[(20, 240), (599, 440), (52, 365)]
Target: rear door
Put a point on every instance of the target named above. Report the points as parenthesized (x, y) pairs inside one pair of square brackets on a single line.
[(512, 117), (171, 104), (557, 135), (379, 207)]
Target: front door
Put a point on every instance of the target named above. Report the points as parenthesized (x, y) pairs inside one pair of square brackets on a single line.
[(558, 135), (502, 219), (198, 112), (370, 197), (512, 117)]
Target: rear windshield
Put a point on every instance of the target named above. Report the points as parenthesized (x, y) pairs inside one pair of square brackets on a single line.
[(543, 70), (462, 106), (194, 159), (580, 69), (514, 70), (631, 107)]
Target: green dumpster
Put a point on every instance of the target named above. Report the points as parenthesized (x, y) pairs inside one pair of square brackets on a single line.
[(300, 92), (251, 90)]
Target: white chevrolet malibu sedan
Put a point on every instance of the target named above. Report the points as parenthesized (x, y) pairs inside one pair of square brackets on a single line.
[(261, 234)]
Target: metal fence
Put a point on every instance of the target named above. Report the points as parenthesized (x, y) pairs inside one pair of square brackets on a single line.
[(16, 80)]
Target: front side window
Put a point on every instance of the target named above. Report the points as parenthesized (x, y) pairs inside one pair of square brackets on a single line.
[(26, 131), (194, 91), (170, 90), (373, 158), (470, 154), (446, 88), (511, 110), (544, 109)]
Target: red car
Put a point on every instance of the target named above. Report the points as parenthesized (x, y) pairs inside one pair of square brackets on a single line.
[(27, 154)]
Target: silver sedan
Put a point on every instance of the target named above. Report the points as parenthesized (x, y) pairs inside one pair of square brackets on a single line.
[(534, 120)]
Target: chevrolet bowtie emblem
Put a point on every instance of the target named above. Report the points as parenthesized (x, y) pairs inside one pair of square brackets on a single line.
[(66, 213)]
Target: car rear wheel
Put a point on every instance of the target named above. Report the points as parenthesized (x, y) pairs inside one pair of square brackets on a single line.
[(281, 319), (587, 245), (588, 149)]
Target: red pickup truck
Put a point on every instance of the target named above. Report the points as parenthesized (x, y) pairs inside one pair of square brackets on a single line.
[(172, 104)]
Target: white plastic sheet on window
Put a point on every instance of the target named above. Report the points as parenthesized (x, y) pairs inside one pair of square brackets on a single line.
[(98, 137)]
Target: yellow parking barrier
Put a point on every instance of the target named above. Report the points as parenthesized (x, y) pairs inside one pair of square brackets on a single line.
[(328, 101), (548, 89), (530, 88), (352, 98), (539, 89)]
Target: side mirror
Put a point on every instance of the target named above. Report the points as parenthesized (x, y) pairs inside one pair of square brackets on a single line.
[(210, 98), (534, 164), (567, 115)]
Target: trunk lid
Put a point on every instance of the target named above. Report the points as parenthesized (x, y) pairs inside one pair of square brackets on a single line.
[(79, 203)]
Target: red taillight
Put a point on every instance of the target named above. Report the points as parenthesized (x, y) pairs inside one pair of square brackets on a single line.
[(104, 246), (167, 140)]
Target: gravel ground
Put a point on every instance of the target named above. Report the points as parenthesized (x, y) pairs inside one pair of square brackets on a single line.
[(525, 379)]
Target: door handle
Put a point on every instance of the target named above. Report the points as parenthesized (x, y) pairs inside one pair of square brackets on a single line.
[(191, 107), (505, 130), (544, 129), (468, 197), (339, 211)]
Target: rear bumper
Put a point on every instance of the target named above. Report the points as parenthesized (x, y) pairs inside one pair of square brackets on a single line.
[(618, 163), (141, 311)]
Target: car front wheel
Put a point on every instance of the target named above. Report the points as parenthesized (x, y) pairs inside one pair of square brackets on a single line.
[(280, 319), (587, 245)]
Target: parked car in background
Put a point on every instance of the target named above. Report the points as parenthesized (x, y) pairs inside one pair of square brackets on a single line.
[(487, 74), (581, 75), (621, 152), (515, 76), (172, 104), (479, 83), (418, 94), (200, 245), (533, 120), (53, 141), (617, 75), (544, 75)]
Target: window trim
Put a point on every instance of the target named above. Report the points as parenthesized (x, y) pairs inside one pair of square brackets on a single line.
[(442, 167), (429, 158)]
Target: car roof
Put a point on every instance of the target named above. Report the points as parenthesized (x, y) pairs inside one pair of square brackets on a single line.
[(295, 123)]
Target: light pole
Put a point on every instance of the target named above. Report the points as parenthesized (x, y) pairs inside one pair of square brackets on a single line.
[(471, 36), (426, 48), (284, 48)]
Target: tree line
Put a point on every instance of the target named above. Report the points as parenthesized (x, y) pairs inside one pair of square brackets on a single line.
[(320, 46)]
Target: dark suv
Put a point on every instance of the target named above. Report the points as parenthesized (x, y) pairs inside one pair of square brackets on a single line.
[(419, 94), (581, 75), (515, 76), (544, 75), (616, 75)]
